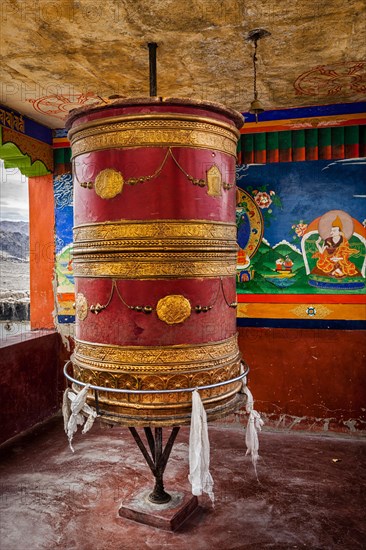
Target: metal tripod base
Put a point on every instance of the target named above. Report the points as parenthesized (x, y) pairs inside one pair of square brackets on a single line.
[(157, 459), (158, 508)]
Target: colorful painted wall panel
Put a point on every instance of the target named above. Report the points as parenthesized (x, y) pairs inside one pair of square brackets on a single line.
[(25, 144), (314, 236), (63, 190)]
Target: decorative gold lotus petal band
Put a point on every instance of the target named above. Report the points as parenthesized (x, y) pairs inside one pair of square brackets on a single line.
[(166, 367), (165, 130), (160, 381), (185, 357)]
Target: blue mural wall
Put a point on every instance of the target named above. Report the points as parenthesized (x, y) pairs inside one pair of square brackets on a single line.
[(63, 190)]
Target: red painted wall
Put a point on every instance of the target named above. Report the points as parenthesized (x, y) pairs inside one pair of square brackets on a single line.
[(307, 379), (42, 251), (300, 379), (31, 381)]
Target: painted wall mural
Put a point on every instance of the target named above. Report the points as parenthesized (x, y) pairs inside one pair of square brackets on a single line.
[(312, 216), (63, 190), (59, 105), (343, 79), (301, 238)]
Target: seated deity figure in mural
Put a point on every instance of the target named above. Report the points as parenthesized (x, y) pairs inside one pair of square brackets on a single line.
[(334, 252)]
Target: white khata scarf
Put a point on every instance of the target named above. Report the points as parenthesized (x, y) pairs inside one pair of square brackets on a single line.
[(199, 450), (73, 405), (254, 426)]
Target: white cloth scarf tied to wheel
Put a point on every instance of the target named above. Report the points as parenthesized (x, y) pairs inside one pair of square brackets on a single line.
[(199, 445), (73, 405), (254, 426), (199, 450)]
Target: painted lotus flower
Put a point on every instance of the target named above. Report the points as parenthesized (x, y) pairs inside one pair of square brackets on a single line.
[(266, 200), (300, 229), (263, 199)]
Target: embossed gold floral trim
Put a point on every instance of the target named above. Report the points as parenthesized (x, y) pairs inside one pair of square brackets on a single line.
[(158, 228), (158, 131), (156, 358), (173, 309), (159, 367), (148, 119), (108, 183), (170, 234), (155, 266), (163, 381), (167, 408), (81, 306), (169, 245)]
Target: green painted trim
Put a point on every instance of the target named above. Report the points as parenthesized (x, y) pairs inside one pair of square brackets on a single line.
[(308, 140), (260, 141), (337, 136), (285, 140), (14, 158), (248, 142), (62, 155), (298, 139), (311, 138), (362, 135), (272, 141), (351, 135), (325, 137), (67, 154)]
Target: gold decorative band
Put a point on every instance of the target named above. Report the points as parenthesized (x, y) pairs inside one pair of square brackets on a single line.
[(164, 130), (160, 368), (156, 359), (160, 381), (169, 245), (150, 118), (156, 265), (178, 235)]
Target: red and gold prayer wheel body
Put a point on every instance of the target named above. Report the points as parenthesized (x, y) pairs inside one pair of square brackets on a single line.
[(155, 256)]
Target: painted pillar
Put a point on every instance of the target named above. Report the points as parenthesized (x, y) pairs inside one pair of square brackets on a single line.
[(42, 251)]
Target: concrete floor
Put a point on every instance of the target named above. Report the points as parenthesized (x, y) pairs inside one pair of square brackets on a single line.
[(54, 499)]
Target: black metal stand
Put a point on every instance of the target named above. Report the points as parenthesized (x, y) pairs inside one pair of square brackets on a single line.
[(158, 459), (152, 68)]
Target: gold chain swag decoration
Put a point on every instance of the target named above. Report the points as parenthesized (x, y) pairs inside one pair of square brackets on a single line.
[(171, 309), (109, 182)]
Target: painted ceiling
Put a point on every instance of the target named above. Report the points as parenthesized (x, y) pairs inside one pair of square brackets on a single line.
[(56, 56)]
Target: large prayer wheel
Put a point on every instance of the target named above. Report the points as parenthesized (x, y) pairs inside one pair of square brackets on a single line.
[(155, 256)]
